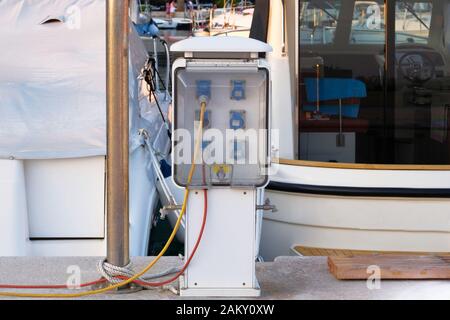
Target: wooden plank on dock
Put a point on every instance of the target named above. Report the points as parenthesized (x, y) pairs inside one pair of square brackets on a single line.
[(392, 267), (326, 252)]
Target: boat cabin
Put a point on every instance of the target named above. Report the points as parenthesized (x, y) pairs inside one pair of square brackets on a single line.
[(374, 82), (364, 128)]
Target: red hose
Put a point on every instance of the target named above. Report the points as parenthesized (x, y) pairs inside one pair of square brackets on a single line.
[(139, 282), (194, 251), (63, 286)]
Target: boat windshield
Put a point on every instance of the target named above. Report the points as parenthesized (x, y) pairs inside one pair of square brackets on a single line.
[(374, 81), (413, 22), (318, 20)]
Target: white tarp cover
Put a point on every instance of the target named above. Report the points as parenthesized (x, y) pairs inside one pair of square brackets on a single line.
[(53, 78)]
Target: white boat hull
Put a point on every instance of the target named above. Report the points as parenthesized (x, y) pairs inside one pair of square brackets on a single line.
[(43, 211), (53, 137), (173, 24), (399, 224), (57, 207)]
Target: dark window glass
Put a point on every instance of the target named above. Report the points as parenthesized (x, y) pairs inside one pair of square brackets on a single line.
[(374, 82), (318, 21), (368, 23)]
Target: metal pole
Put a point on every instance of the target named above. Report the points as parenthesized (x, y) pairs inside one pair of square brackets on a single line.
[(117, 126)]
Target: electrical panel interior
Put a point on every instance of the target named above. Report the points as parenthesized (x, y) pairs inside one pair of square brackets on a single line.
[(234, 139)]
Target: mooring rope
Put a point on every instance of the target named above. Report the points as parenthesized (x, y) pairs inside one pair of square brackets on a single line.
[(115, 274)]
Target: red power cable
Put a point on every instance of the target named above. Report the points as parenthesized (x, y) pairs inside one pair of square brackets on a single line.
[(63, 286), (140, 282), (197, 244)]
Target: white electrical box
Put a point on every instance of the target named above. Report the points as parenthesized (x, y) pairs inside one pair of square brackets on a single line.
[(227, 80), (224, 264), (234, 147)]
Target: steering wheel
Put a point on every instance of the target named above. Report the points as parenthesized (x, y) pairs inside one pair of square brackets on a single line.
[(417, 67)]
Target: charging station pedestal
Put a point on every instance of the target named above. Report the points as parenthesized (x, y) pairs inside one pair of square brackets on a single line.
[(224, 265), (232, 78)]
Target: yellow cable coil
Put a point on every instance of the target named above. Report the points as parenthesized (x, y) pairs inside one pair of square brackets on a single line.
[(157, 258)]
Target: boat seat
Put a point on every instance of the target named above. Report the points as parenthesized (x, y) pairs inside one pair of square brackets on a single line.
[(332, 92)]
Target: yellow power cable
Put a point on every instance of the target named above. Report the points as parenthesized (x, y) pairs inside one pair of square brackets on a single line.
[(157, 258)]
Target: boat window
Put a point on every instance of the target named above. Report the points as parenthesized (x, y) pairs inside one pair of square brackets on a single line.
[(234, 19), (413, 22), (318, 21), (368, 22), (384, 96)]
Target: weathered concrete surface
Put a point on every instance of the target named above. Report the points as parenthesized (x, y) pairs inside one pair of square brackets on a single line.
[(286, 278)]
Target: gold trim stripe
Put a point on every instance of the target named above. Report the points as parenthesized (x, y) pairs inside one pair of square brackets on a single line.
[(358, 166)]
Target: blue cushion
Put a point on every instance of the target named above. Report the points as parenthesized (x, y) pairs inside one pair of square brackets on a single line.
[(334, 89)]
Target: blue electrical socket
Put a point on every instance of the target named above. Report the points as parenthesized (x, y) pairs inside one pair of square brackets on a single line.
[(237, 120), (204, 89), (238, 90)]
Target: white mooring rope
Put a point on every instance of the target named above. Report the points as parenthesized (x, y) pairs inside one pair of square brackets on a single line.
[(111, 273)]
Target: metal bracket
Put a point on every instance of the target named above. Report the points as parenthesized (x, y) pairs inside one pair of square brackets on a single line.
[(169, 209), (267, 206)]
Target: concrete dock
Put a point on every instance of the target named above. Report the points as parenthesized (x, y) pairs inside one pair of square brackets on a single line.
[(298, 278)]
